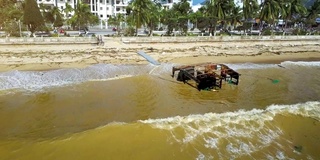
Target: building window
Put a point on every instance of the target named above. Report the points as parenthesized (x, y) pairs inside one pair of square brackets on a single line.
[(100, 1), (107, 8), (101, 16), (61, 0), (107, 1), (62, 7), (101, 8)]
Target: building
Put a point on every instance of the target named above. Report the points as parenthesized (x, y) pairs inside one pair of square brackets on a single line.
[(101, 8)]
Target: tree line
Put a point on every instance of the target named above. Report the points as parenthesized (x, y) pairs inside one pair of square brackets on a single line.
[(14, 13), (152, 15)]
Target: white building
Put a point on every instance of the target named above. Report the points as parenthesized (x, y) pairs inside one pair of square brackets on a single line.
[(107, 8), (102, 8)]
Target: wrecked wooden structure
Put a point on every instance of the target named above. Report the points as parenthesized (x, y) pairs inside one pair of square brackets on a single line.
[(207, 76)]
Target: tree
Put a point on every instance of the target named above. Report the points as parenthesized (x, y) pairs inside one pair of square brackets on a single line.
[(10, 16), (67, 10), (116, 21), (182, 11), (235, 16), (82, 16), (291, 8), (218, 10), (170, 19), (32, 16), (250, 7), (194, 16), (58, 21), (313, 12), (139, 10), (207, 20), (270, 10), (8, 10), (154, 17)]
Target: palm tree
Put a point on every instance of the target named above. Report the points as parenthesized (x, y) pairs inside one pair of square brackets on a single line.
[(181, 12), (220, 10), (235, 16), (83, 16), (250, 7), (116, 21), (139, 10), (291, 8), (208, 20), (194, 18), (270, 10), (154, 18), (67, 10), (313, 12)]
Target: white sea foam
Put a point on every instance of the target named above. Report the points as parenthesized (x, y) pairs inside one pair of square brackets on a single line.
[(254, 126), (238, 66), (37, 80), (301, 63)]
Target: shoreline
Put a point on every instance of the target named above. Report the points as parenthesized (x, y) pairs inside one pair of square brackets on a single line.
[(48, 57)]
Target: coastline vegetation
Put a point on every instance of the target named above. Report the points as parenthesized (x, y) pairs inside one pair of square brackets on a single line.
[(223, 16)]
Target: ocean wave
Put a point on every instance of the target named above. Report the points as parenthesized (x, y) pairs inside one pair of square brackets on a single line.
[(37, 80), (301, 63), (244, 131)]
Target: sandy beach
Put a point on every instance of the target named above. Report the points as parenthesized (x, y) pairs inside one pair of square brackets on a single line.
[(46, 57), (140, 112)]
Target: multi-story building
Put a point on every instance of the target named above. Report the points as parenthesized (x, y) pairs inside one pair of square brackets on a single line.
[(101, 8)]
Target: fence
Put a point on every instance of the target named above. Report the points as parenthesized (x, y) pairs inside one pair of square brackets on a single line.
[(216, 39), (190, 39), (48, 40)]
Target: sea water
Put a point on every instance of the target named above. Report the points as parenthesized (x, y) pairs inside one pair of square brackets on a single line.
[(110, 111)]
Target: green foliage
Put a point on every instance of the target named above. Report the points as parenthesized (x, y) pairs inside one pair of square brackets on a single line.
[(58, 21), (10, 15), (313, 12), (68, 9), (55, 35), (9, 11), (32, 16), (153, 17), (12, 28), (139, 12), (270, 10), (116, 21), (130, 31), (83, 16), (177, 17), (250, 9), (267, 32)]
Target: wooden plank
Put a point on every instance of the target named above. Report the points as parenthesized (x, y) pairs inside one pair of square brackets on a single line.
[(148, 58)]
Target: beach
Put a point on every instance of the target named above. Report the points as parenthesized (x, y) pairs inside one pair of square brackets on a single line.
[(107, 102), (114, 51)]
